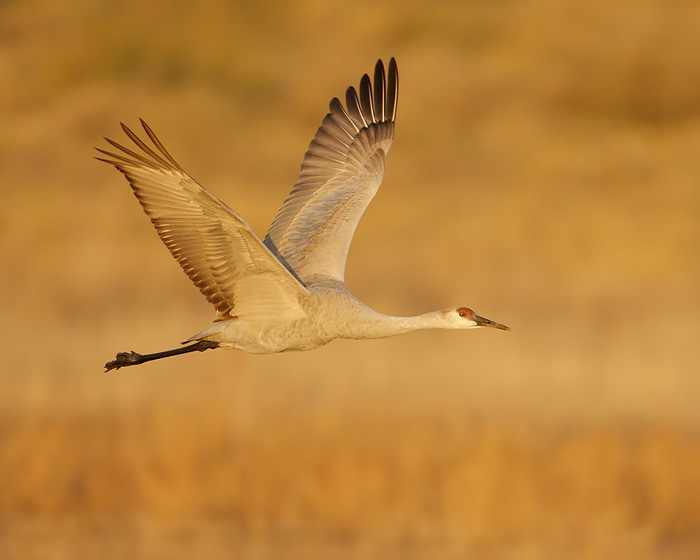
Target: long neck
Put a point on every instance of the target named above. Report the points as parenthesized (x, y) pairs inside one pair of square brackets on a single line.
[(377, 325)]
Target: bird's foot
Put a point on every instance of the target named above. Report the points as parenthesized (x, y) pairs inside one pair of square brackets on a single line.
[(124, 359)]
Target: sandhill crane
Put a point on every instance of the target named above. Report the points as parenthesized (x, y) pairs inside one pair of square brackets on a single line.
[(286, 292)]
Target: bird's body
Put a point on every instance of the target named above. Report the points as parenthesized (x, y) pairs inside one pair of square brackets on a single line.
[(329, 312), (286, 292)]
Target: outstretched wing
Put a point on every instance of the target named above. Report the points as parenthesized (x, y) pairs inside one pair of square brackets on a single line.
[(215, 246), (340, 175)]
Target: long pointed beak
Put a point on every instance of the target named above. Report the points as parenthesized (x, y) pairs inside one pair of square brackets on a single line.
[(483, 322)]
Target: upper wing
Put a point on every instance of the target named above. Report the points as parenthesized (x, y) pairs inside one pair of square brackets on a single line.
[(215, 246), (340, 175)]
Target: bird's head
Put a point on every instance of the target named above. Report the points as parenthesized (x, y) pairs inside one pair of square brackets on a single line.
[(465, 318)]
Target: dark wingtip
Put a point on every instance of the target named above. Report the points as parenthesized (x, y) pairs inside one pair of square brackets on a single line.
[(392, 89)]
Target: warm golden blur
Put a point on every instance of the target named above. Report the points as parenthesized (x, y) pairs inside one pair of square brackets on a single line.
[(545, 173)]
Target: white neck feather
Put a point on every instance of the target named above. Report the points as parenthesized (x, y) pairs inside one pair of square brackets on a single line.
[(378, 325)]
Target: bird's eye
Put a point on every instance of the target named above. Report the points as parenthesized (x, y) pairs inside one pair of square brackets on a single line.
[(462, 314)]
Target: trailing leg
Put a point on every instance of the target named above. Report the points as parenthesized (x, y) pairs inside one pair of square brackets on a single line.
[(124, 359)]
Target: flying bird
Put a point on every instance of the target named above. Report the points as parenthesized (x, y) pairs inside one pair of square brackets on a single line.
[(285, 292)]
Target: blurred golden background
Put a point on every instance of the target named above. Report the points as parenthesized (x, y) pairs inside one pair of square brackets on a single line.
[(545, 173)]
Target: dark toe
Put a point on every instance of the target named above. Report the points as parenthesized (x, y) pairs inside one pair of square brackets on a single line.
[(123, 359)]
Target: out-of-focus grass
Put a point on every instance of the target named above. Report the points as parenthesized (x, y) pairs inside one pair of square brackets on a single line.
[(544, 172), (429, 480)]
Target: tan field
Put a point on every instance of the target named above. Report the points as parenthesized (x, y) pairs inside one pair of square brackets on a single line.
[(545, 172)]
